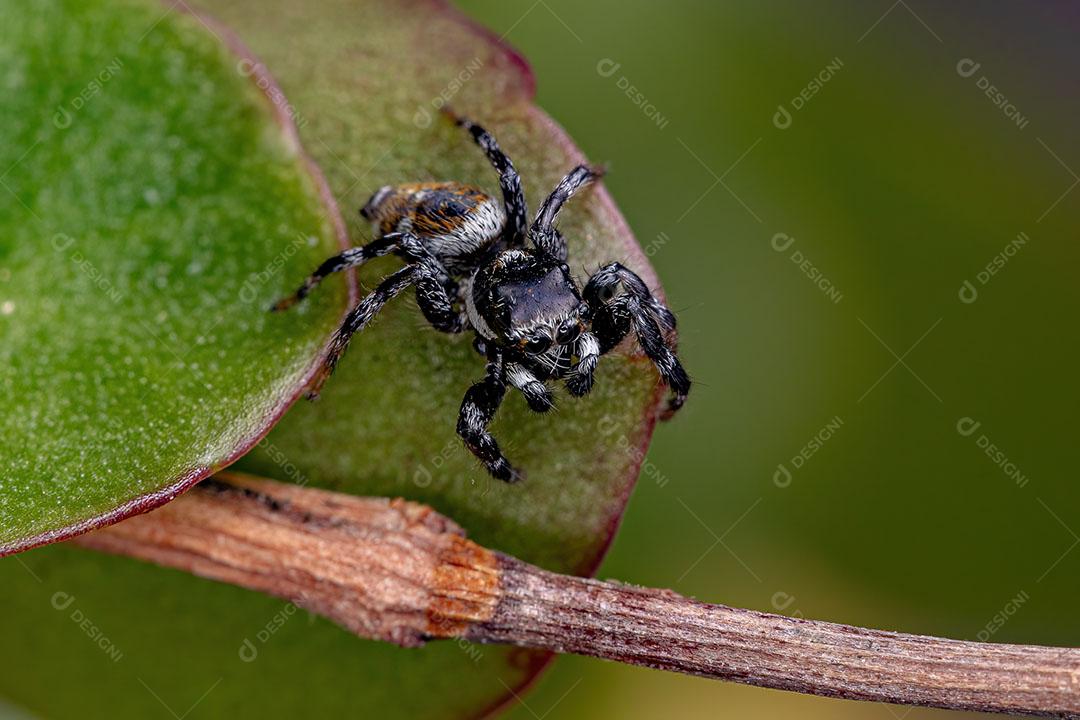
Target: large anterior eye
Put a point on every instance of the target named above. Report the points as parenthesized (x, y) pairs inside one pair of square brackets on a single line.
[(538, 344), (568, 333)]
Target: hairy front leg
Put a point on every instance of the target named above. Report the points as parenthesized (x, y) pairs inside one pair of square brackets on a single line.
[(477, 411), (615, 315), (588, 351), (536, 393)]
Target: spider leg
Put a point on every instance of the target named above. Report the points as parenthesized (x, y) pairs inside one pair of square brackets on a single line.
[(435, 297), (358, 319), (536, 393), (350, 258), (653, 343), (477, 411), (602, 286), (513, 196), (639, 310), (543, 233), (588, 350), (611, 323), (435, 289)]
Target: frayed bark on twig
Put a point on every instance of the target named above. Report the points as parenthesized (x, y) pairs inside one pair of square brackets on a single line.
[(397, 571)]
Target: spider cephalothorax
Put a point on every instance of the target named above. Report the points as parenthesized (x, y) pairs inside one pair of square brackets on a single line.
[(476, 264)]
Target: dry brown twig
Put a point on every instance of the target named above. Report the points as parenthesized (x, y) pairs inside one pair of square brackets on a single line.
[(397, 571)]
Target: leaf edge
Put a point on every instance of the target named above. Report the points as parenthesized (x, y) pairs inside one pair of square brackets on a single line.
[(145, 502)]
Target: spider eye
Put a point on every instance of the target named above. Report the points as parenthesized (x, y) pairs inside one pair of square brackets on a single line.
[(568, 333), (537, 344)]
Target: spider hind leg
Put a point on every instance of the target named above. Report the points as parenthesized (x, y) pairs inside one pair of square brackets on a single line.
[(357, 320), (352, 257), (513, 195)]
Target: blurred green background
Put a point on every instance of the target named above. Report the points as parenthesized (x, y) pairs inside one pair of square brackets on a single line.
[(816, 261)]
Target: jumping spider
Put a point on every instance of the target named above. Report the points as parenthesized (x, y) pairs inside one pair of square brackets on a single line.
[(478, 265)]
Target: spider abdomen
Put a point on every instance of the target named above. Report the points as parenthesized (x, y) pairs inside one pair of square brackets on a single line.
[(452, 219)]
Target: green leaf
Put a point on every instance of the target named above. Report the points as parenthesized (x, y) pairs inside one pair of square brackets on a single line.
[(150, 198), (365, 79)]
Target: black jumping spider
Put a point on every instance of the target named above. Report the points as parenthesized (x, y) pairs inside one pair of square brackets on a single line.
[(478, 265)]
